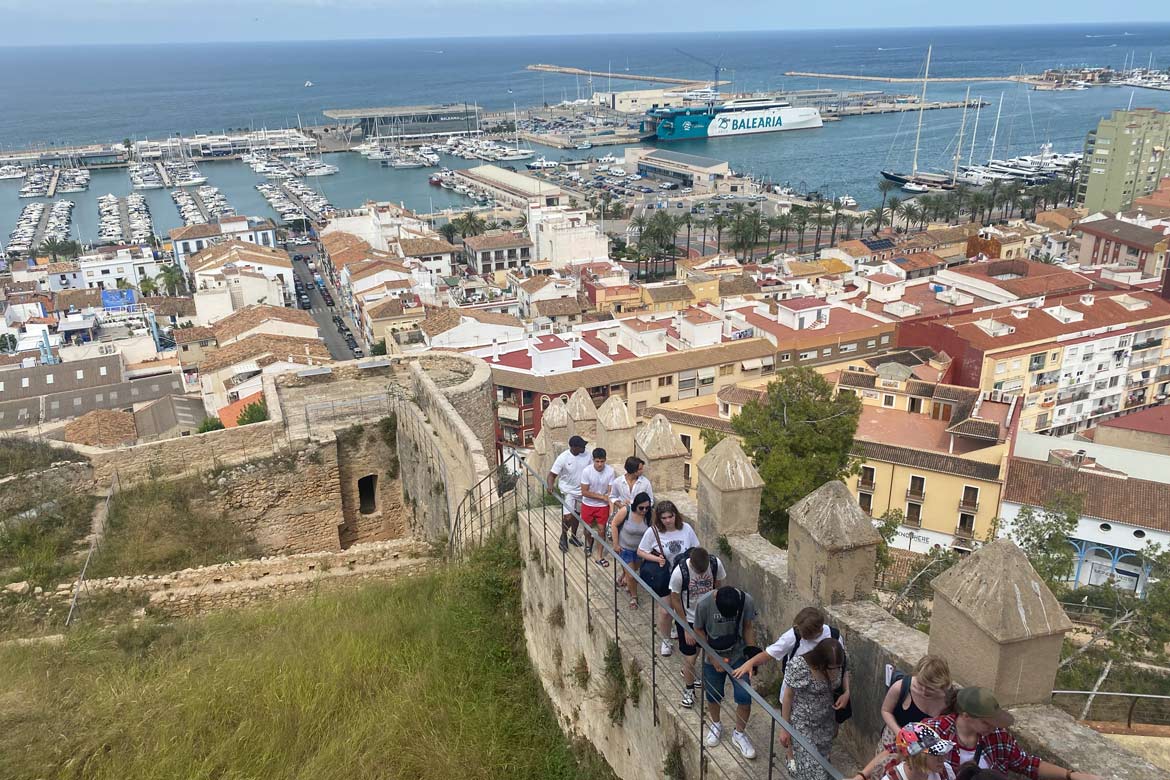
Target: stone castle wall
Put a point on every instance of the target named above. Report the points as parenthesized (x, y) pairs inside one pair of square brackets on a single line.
[(243, 583)]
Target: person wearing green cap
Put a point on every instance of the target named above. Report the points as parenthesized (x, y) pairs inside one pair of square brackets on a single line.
[(978, 729)]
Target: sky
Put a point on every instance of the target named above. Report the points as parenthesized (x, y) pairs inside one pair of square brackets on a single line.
[(71, 22)]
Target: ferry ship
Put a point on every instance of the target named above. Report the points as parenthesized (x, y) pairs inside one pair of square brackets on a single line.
[(734, 117)]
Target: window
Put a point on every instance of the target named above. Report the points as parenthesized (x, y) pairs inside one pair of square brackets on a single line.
[(687, 472), (1139, 534), (809, 355), (871, 344), (886, 338), (966, 525), (785, 357), (24, 381), (80, 374), (640, 385), (727, 369), (917, 487), (888, 401), (640, 409), (868, 474), (846, 348), (970, 499), (368, 494), (1001, 367), (665, 399), (914, 515), (665, 381), (686, 441), (1105, 527), (865, 501), (827, 352), (101, 370), (48, 379)]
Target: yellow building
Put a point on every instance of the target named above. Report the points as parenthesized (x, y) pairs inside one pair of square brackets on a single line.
[(935, 452)]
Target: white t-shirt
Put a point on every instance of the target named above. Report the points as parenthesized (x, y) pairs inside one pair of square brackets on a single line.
[(947, 773), (598, 482), (568, 468), (674, 543), (784, 644), (966, 755), (620, 490), (698, 585)]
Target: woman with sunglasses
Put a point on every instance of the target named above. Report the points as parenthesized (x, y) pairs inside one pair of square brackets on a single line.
[(626, 531)]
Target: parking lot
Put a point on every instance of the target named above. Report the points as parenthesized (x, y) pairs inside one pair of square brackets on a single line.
[(343, 340)]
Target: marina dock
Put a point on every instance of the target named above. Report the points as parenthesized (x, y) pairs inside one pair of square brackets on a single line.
[(162, 171), (603, 74), (53, 183), (195, 196), (895, 108), (907, 80), (124, 216), (288, 193), (39, 235)]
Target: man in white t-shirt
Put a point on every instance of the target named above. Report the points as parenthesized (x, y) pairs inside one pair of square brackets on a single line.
[(565, 476), (695, 574), (596, 481)]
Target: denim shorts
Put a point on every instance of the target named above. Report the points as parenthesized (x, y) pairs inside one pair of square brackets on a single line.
[(630, 557), (713, 686)]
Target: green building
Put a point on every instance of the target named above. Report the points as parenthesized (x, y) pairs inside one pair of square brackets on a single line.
[(1125, 157)]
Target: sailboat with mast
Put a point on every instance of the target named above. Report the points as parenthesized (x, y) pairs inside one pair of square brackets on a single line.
[(917, 181)]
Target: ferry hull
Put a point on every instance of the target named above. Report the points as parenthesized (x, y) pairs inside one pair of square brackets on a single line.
[(701, 124)]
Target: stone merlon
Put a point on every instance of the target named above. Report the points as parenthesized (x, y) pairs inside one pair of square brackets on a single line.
[(729, 468), (1001, 593), (833, 518), (658, 439)]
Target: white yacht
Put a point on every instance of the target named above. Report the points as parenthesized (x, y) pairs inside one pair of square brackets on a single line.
[(11, 172), (541, 164)]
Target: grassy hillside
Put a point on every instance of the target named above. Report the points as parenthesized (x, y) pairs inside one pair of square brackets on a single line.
[(423, 679)]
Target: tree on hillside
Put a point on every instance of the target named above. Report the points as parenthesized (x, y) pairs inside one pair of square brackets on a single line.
[(1043, 536), (210, 424), (449, 232), (800, 437)]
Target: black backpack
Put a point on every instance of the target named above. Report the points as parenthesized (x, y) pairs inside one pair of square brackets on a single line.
[(724, 643), (833, 633), (681, 561)]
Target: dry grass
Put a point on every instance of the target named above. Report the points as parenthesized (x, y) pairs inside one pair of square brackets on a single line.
[(355, 685)]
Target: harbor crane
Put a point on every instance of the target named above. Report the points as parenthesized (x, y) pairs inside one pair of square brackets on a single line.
[(718, 66)]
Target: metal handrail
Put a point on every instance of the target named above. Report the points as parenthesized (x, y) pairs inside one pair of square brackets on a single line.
[(1136, 698), (709, 652)]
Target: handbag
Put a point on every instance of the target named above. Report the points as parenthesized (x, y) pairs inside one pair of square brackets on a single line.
[(654, 574)]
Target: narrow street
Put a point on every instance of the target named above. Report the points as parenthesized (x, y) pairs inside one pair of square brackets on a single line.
[(323, 314)]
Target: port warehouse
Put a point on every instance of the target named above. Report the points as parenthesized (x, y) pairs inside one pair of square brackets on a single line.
[(687, 170), (410, 122), (827, 100)]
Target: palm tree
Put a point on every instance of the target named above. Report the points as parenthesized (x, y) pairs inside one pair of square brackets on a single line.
[(771, 224), (470, 225), (784, 224), (800, 223), (57, 248), (449, 231), (819, 211), (908, 212), (521, 222), (639, 223), (720, 223), (885, 187), (147, 286), (493, 225), (687, 220), (836, 220), (892, 208), (703, 223), (849, 222), (171, 279), (874, 219)]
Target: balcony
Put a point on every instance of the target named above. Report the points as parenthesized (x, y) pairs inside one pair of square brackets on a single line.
[(913, 522), (916, 494), (1045, 381), (865, 484), (1147, 344), (1080, 395), (968, 506), (963, 532)]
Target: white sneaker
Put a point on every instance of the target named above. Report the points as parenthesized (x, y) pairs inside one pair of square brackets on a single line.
[(664, 648), (741, 741), (688, 698), (674, 630), (714, 733)]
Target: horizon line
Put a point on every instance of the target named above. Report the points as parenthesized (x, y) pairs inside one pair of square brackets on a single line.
[(476, 36)]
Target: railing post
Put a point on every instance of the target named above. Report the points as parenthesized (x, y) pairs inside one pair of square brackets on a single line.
[(585, 550), (771, 748), (654, 664), (1129, 716), (700, 705)]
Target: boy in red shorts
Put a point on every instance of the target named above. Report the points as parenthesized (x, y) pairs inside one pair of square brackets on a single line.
[(595, 501)]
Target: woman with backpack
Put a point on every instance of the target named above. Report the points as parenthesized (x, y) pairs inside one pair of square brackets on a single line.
[(810, 681), (628, 526), (924, 693), (668, 537)]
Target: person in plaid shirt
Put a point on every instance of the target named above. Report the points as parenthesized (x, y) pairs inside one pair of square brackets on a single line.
[(978, 729)]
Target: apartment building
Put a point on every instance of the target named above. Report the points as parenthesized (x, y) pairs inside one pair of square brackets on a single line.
[(1121, 244), (192, 239), (498, 251), (1073, 360), (1125, 157)]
